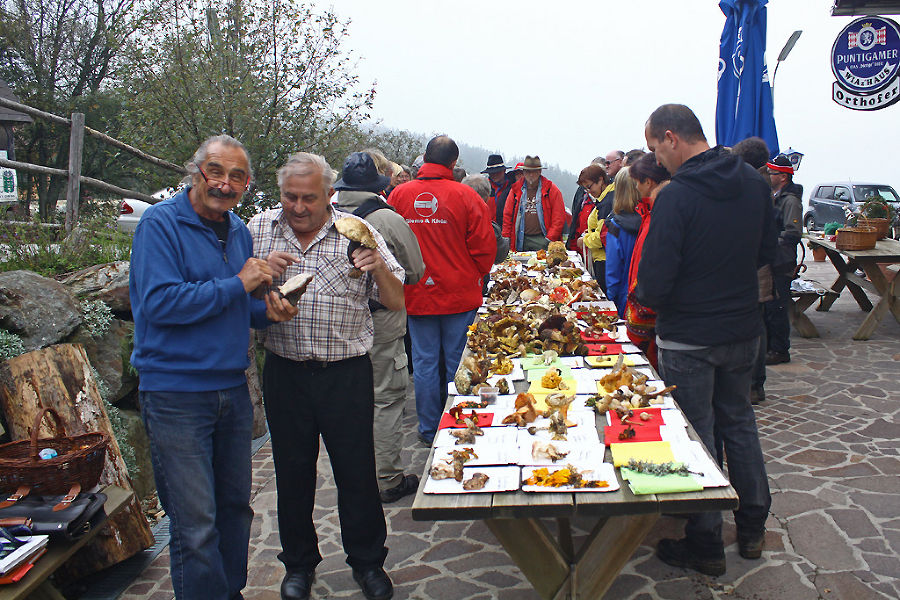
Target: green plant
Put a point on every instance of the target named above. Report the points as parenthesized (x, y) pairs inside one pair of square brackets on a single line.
[(97, 317), (11, 345), (117, 423), (876, 207), (43, 250), (831, 227)]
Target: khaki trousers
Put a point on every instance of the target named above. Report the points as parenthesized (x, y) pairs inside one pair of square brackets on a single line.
[(389, 364)]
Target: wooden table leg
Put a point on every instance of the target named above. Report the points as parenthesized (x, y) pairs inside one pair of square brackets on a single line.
[(841, 282), (594, 568), (46, 591), (799, 320), (608, 550), (885, 303), (534, 551)]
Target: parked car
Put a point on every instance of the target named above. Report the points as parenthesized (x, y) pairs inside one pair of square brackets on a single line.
[(828, 201), (132, 209)]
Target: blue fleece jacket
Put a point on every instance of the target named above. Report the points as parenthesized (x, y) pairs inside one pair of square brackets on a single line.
[(622, 230), (192, 317)]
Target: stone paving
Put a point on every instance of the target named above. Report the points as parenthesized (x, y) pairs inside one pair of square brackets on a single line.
[(830, 430)]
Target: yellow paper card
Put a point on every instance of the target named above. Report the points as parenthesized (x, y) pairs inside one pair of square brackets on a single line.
[(657, 452), (540, 393)]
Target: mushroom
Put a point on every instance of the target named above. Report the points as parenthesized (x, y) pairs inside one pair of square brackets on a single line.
[(293, 288), (360, 236)]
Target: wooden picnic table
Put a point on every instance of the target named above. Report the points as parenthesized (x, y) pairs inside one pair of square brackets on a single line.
[(846, 262), (36, 585), (554, 567)]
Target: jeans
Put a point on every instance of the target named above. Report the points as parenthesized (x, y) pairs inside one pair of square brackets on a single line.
[(200, 448), (335, 401), (714, 393), (430, 334), (778, 324), (759, 369)]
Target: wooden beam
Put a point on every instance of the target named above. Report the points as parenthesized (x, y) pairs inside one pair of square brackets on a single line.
[(88, 181), (95, 134), (73, 186), (606, 552)]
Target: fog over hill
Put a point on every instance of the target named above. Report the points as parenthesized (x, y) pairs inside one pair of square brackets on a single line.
[(402, 147)]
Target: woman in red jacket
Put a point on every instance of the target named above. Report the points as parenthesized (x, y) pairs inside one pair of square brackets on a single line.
[(650, 177), (538, 220)]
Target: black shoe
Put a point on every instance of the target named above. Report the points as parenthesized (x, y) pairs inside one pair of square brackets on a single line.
[(408, 485), (776, 358), (757, 395), (678, 554), (752, 547), (297, 584), (375, 583), (425, 440)]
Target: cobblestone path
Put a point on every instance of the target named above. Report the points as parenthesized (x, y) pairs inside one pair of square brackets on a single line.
[(830, 429)]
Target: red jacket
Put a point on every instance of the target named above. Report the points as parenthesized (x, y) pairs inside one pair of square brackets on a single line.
[(551, 204), (453, 226)]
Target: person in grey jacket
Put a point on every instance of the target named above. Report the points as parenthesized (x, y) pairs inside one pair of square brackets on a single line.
[(358, 192), (788, 213)]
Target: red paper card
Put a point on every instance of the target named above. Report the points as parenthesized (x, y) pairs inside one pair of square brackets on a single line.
[(594, 349), (642, 433), (484, 420), (596, 338), (655, 417)]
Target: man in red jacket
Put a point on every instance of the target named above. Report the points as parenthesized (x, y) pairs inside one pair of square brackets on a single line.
[(534, 214), (453, 226)]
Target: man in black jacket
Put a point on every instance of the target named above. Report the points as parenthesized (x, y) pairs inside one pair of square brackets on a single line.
[(698, 272), (788, 212)]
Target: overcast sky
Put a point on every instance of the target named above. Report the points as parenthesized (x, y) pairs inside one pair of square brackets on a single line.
[(571, 79)]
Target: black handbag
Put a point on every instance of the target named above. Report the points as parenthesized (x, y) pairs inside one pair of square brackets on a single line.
[(51, 515)]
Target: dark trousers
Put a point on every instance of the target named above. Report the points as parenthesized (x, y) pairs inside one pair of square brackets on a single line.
[(714, 393), (778, 325), (336, 401)]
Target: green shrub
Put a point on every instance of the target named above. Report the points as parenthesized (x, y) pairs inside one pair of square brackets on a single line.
[(11, 345), (97, 317), (118, 426), (46, 250), (831, 227)]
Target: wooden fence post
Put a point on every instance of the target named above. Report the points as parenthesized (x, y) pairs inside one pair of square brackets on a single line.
[(73, 187)]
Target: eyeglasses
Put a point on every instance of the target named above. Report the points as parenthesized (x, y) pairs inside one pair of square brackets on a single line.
[(234, 180)]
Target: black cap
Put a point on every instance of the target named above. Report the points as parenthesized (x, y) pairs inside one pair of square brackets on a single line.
[(495, 164), (360, 175)]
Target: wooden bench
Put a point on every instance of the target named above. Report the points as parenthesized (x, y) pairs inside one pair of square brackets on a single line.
[(801, 301), (35, 585)]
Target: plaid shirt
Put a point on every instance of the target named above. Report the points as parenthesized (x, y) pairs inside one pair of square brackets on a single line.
[(334, 321)]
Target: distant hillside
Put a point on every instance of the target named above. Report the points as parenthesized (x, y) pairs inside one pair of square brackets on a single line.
[(402, 146), (473, 159)]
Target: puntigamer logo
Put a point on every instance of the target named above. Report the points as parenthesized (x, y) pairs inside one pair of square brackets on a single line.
[(865, 60)]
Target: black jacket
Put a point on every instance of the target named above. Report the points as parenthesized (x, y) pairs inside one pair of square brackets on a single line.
[(788, 212), (712, 227)]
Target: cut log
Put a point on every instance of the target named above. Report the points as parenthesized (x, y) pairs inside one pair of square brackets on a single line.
[(59, 377)]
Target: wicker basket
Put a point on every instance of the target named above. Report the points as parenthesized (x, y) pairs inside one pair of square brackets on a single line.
[(855, 238), (79, 460), (880, 225)]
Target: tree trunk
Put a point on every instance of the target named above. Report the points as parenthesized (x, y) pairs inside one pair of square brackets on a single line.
[(59, 377)]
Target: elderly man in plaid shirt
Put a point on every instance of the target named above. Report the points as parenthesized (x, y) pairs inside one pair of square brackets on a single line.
[(318, 378)]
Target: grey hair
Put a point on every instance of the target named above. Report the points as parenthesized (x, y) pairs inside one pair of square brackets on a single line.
[(202, 153), (480, 184), (307, 163)]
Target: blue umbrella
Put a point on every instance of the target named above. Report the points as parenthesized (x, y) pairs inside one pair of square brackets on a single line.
[(744, 104)]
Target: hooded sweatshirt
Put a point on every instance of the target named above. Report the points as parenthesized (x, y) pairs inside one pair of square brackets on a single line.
[(622, 233), (712, 227)]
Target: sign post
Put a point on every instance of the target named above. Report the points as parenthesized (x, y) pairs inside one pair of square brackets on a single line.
[(865, 60)]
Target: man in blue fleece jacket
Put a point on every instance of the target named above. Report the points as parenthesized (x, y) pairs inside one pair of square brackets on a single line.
[(712, 227), (192, 270)]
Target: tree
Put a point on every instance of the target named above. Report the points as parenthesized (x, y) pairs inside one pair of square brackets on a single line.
[(270, 73), (58, 56)]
